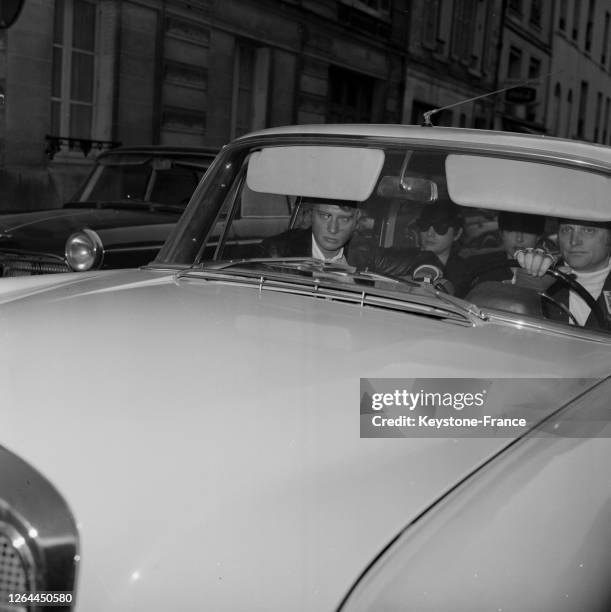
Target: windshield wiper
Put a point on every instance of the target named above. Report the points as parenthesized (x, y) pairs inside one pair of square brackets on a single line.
[(296, 278), (462, 304), (310, 266)]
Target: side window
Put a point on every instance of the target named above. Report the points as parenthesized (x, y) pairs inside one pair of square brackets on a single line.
[(248, 219), (258, 216), (256, 205), (121, 182), (175, 185)]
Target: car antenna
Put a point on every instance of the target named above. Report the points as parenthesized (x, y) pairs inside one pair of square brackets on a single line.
[(428, 114)]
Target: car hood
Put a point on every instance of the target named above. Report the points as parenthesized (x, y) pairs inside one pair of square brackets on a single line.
[(46, 231), (206, 434)]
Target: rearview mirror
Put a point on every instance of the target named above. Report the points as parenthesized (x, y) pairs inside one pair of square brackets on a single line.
[(410, 188)]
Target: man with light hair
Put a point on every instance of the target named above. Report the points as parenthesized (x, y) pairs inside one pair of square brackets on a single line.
[(333, 224), (330, 239), (585, 249)]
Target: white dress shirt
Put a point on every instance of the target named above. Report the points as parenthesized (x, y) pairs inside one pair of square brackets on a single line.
[(318, 254)]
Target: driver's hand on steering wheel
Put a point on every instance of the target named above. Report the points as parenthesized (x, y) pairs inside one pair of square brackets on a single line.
[(535, 261)]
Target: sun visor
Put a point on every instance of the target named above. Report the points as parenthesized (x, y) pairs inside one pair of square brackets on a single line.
[(528, 186), (339, 173)]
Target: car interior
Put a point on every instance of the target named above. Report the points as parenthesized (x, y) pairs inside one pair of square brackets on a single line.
[(276, 187)]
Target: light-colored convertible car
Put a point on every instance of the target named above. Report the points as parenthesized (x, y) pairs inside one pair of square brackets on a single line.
[(245, 424)]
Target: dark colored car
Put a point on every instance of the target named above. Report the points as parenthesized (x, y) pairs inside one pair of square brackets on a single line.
[(119, 218)]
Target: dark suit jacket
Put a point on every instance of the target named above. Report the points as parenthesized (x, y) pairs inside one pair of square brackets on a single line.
[(391, 261), (560, 292), (458, 271)]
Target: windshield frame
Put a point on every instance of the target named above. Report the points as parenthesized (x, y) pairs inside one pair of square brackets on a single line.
[(201, 215), (194, 229)]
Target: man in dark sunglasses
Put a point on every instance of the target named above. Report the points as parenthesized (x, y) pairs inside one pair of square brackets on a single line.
[(440, 225)]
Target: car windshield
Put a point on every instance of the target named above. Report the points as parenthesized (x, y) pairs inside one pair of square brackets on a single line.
[(447, 216), (130, 180)]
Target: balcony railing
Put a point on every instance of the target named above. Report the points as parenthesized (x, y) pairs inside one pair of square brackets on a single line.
[(55, 144)]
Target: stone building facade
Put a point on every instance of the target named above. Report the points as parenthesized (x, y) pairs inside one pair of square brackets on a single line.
[(580, 85), (525, 62), (79, 76), (82, 75), (452, 57)]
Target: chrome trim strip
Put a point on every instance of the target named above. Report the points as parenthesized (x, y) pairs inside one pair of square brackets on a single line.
[(12, 255), (354, 295), (150, 247), (547, 327)]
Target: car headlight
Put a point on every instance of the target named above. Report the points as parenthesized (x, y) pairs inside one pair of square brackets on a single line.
[(39, 544), (84, 250)]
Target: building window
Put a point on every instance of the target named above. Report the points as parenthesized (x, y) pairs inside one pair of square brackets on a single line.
[(557, 109), (73, 68), (418, 110), (599, 104), (250, 88), (480, 111), (430, 30), (581, 113), (562, 15), (350, 96), (243, 88), (535, 13), (515, 6), (576, 9), (462, 34), (603, 55), (514, 67), (590, 24), (534, 68)]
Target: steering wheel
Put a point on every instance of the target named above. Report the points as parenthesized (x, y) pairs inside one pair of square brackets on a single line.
[(563, 277)]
